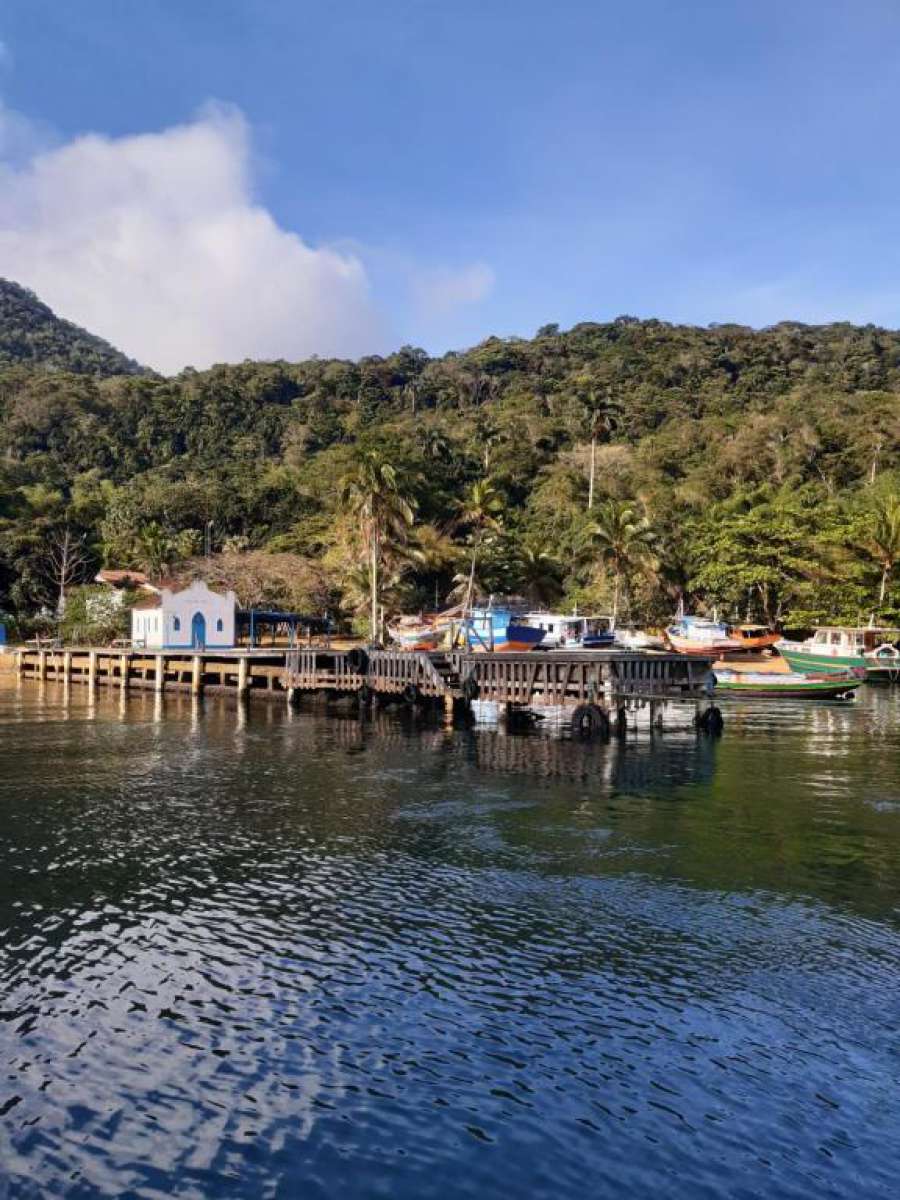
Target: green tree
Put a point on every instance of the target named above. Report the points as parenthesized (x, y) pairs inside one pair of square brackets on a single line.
[(373, 493), (884, 539), (480, 509), (600, 412), (625, 541)]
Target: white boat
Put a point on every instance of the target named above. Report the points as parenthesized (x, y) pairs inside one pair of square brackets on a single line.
[(569, 631), (640, 639)]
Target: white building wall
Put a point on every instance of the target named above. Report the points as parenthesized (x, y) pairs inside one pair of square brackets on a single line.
[(171, 625)]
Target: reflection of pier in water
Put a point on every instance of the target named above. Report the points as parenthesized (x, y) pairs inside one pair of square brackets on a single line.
[(638, 763)]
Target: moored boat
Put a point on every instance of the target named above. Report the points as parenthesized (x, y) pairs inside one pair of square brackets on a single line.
[(872, 648), (822, 685), (754, 637), (697, 635)]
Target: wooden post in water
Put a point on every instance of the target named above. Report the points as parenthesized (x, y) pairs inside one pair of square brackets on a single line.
[(42, 665), (196, 675), (243, 676), (92, 670), (159, 676), (20, 663), (124, 670), (67, 666)]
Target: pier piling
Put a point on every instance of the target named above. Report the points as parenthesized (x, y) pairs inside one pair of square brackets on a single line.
[(614, 685)]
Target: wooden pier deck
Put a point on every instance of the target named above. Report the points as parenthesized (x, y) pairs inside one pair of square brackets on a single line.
[(600, 688)]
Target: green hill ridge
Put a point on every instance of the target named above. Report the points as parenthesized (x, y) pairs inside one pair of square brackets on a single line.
[(31, 334), (764, 462)]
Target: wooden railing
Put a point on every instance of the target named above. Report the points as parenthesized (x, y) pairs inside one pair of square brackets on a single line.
[(608, 680)]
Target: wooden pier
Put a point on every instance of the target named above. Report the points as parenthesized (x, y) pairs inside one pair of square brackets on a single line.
[(600, 690)]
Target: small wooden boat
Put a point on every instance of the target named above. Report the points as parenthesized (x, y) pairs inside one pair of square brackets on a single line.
[(794, 685), (754, 637), (425, 632), (640, 639), (696, 635)]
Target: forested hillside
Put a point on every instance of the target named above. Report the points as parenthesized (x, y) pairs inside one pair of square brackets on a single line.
[(30, 333), (755, 471)]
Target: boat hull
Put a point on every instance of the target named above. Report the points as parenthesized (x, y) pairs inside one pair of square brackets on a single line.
[(707, 649), (763, 642), (804, 660), (422, 637), (508, 638), (790, 687)]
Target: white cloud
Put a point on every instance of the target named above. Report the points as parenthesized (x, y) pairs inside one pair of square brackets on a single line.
[(155, 243), (444, 290)]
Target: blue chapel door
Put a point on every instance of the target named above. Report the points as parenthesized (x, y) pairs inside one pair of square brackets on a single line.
[(198, 632)]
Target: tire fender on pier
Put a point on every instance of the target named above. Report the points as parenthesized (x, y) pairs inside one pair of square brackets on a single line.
[(589, 720)]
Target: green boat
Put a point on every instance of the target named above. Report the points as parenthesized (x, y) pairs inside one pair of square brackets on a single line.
[(795, 685), (872, 648)]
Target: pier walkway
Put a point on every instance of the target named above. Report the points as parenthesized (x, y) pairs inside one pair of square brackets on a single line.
[(601, 688)]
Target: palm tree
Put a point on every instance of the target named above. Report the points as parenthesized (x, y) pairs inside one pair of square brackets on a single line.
[(884, 539), (626, 542), (434, 553), (538, 573), (600, 412), (481, 509), (372, 492)]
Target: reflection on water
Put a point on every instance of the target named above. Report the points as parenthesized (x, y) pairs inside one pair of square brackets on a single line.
[(261, 952)]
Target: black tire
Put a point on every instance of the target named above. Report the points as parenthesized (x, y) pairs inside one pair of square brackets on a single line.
[(358, 660), (470, 688), (411, 693), (712, 721), (590, 721)]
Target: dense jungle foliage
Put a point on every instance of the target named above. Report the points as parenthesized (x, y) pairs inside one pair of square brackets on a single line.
[(31, 333), (754, 472)]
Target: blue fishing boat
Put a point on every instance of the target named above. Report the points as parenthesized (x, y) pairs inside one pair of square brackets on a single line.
[(497, 630)]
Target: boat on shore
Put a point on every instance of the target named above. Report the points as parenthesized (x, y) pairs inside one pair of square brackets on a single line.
[(698, 635), (794, 685), (424, 632), (569, 631), (495, 630), (872, 648), (640, 639), (754, 637)]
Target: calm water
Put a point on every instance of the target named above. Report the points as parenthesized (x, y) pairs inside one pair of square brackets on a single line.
[(288, 955)]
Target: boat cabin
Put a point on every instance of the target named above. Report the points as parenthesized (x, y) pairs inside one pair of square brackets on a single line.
[(567, 629), (840, 640)]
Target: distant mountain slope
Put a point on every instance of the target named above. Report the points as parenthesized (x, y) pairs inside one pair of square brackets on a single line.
[(32, 335)]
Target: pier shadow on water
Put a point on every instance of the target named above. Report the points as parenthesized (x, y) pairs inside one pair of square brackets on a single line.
[(255, 951)]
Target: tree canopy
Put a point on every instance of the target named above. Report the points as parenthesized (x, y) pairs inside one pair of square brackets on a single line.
[(761, 467)]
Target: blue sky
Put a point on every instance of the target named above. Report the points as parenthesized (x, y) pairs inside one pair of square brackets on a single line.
[(492, 166)]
